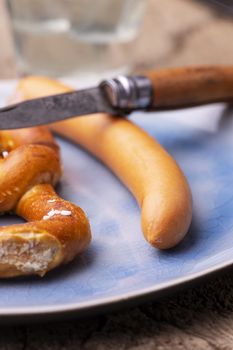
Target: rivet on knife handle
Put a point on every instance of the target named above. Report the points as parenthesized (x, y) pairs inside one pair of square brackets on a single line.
[(128, 93)]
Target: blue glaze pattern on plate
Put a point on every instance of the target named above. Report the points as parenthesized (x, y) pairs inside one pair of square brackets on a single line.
[(119, 263)]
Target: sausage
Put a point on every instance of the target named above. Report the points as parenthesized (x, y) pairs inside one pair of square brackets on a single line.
[(149, 172)]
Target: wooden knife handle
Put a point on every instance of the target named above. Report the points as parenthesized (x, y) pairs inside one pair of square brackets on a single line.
[(191, 86)]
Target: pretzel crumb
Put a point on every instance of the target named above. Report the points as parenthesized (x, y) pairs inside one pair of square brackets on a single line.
[(28, 252)]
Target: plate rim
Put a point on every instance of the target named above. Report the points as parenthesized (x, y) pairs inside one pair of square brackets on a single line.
[(106, 303)]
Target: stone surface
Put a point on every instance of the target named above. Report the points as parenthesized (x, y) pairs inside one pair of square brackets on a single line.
[(183, 32), (7, 62), (177, 32)]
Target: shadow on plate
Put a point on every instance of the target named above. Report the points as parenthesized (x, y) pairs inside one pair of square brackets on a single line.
[(188, 243)]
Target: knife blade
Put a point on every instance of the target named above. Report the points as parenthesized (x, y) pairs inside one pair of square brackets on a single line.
[(54, 108), (156, 90), (115, 96)]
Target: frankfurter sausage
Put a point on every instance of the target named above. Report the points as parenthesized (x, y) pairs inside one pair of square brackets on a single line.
[(149, 172)]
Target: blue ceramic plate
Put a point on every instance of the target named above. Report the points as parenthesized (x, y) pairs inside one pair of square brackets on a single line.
[(119, 265)]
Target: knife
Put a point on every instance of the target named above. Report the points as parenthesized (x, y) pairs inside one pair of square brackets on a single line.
[(155, 90)]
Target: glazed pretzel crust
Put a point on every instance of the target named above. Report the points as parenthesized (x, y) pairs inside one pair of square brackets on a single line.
[(57, 230)]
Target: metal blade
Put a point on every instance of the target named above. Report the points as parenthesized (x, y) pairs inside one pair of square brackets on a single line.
[(54, 108)]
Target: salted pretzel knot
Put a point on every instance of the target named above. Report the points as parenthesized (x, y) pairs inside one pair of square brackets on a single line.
[(57, 230)]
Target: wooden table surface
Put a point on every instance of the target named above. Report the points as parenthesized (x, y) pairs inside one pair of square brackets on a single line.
[(175, 32)]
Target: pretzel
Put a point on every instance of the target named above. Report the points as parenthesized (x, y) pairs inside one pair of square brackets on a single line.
[(56, 230), (139, 161)]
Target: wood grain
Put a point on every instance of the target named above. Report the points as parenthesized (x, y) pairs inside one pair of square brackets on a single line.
[(191, 86)]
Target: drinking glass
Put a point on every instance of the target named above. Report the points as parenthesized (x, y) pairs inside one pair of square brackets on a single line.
[(75, 37)]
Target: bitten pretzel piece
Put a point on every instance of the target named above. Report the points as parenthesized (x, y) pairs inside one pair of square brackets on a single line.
[(56, 230), (140, 162)]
